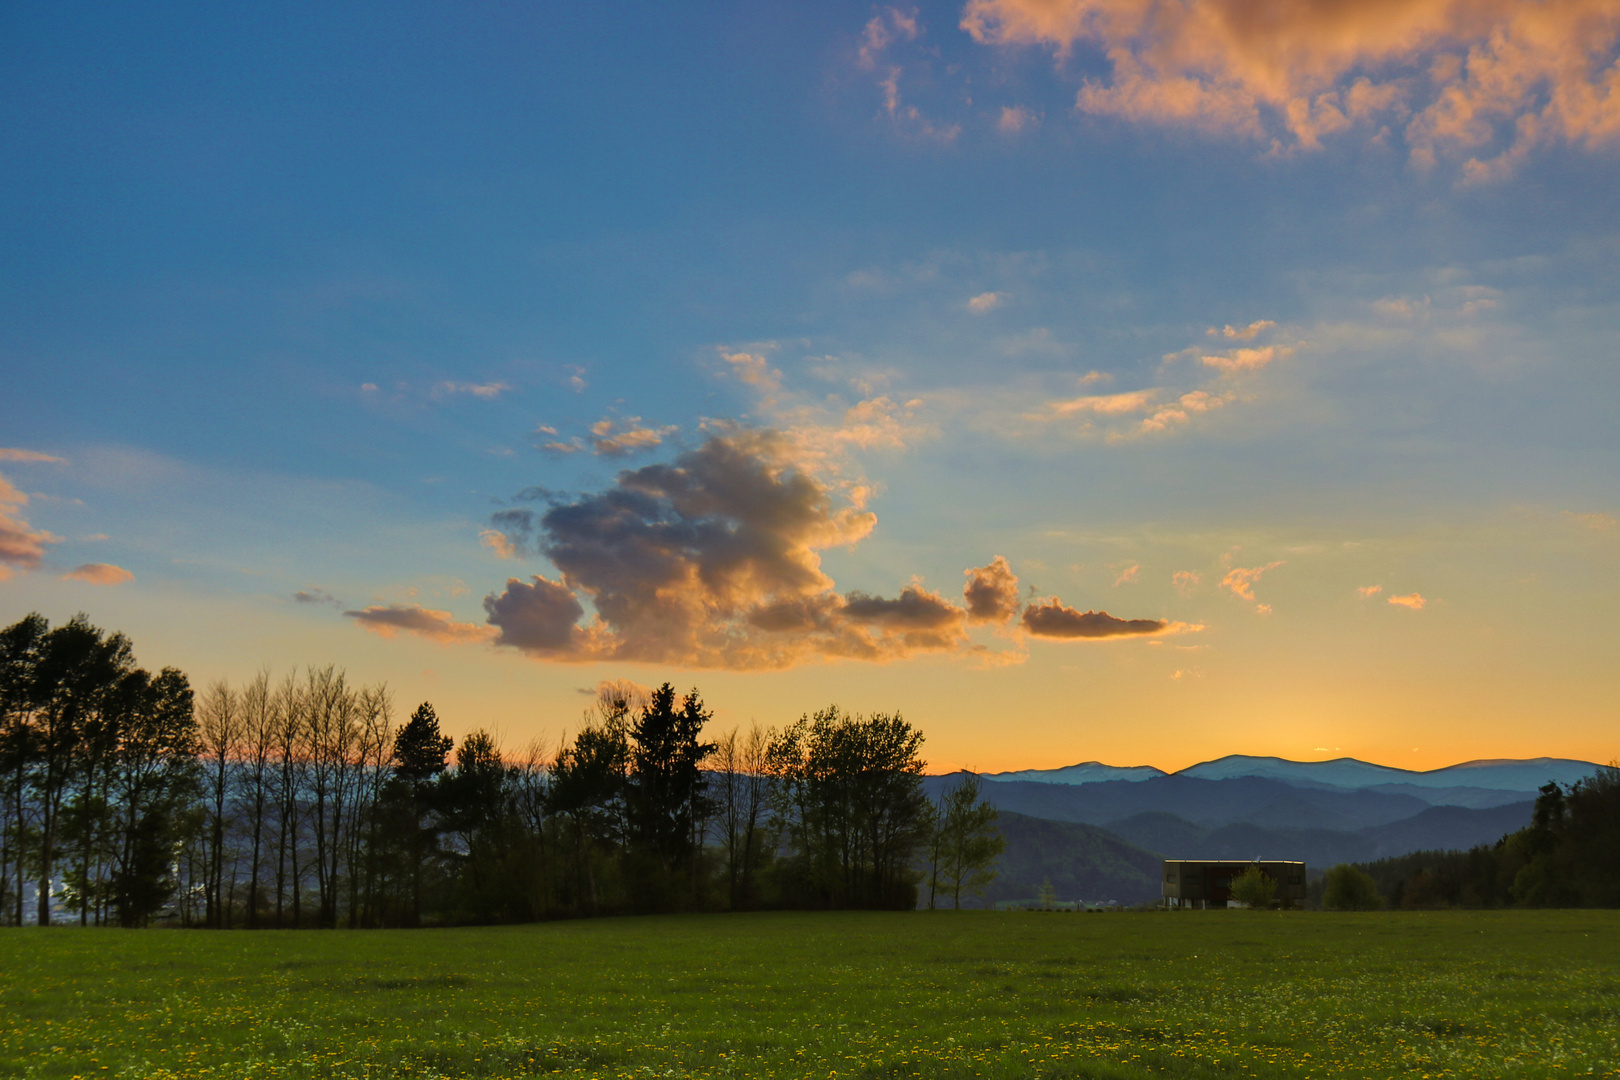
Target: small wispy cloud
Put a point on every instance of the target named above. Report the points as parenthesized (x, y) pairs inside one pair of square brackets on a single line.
[(1015, 119), (1185, 581), (621, 438), (1127, 576), (1240, 580), (498, 542), (99, 574), (1233, 361), (315, 596), (986, 302), (14, 453), (1242, 333), (754, 369), (1415, 601), (1366, 591), (487, 391), (1597, 522), (386, 620)]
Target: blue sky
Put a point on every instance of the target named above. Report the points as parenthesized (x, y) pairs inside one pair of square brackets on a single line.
[(293, 298)]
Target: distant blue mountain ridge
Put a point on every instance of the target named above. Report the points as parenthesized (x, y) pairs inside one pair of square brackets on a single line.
[(1471, 780), (1320, 812)]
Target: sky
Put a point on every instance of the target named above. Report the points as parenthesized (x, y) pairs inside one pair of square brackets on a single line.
[(1139, 381)]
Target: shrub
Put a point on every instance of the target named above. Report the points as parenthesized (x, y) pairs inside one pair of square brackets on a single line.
[(1254, 888), (1350, 889)]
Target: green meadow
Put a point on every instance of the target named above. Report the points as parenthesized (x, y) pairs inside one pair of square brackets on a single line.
[(1212, 994)]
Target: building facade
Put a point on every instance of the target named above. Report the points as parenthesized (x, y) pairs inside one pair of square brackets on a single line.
[(1207, 883)]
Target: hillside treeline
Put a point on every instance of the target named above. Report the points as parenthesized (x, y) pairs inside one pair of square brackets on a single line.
[(1568, 856), (298, 802)]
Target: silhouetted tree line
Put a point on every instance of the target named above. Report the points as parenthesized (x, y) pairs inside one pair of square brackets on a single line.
[(1568, 856), (297, 803)]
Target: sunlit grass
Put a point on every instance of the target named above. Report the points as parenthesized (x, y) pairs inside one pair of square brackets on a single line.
[(1218, 994)]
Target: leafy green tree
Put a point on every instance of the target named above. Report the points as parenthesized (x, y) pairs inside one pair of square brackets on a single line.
[(1254, 887), (587, 792), (966, 842), (22, 647), (849, 800), (1566, 855), (155, 789), (740, 773), (78, 669), (1349, 888), (473, 803)]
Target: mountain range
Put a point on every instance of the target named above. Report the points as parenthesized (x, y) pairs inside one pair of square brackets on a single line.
[(1096, 828), (1438, 787)]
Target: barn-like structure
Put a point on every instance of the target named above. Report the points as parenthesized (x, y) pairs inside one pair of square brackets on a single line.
[(1207, 883)]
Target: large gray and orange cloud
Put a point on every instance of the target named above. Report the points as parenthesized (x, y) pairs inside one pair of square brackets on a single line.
[(1485, 80), (713, 560)]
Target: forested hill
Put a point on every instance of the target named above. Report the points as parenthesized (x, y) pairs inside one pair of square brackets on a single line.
[(1081, 862)]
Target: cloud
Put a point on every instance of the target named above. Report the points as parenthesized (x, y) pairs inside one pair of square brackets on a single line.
[(1014, 119), (498, 542), (1051, 618), (13, 453), (1182, 409), (98, 573), (1596, 522), (916, 619), (888, 28), (991, 592), (386, 620), (1104, 404), (540, 618), (487, 391), (985, 302), (611, 438), (21, 545), (1489, 80), (1242, 333), (1366, 591), (574, 445), (315, 596), (1241, 580), (1185, 581), (754, 369), (1411, 600), (1238, 360), (884, 29), (713, 561), (1128, 575)]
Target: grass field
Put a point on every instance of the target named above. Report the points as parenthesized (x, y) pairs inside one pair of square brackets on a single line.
[(1216, 994)]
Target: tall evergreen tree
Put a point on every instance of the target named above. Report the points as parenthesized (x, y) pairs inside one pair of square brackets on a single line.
[(421, 752), (667, 786)]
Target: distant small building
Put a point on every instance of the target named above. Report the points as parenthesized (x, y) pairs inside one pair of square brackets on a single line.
[(1207, 883)]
